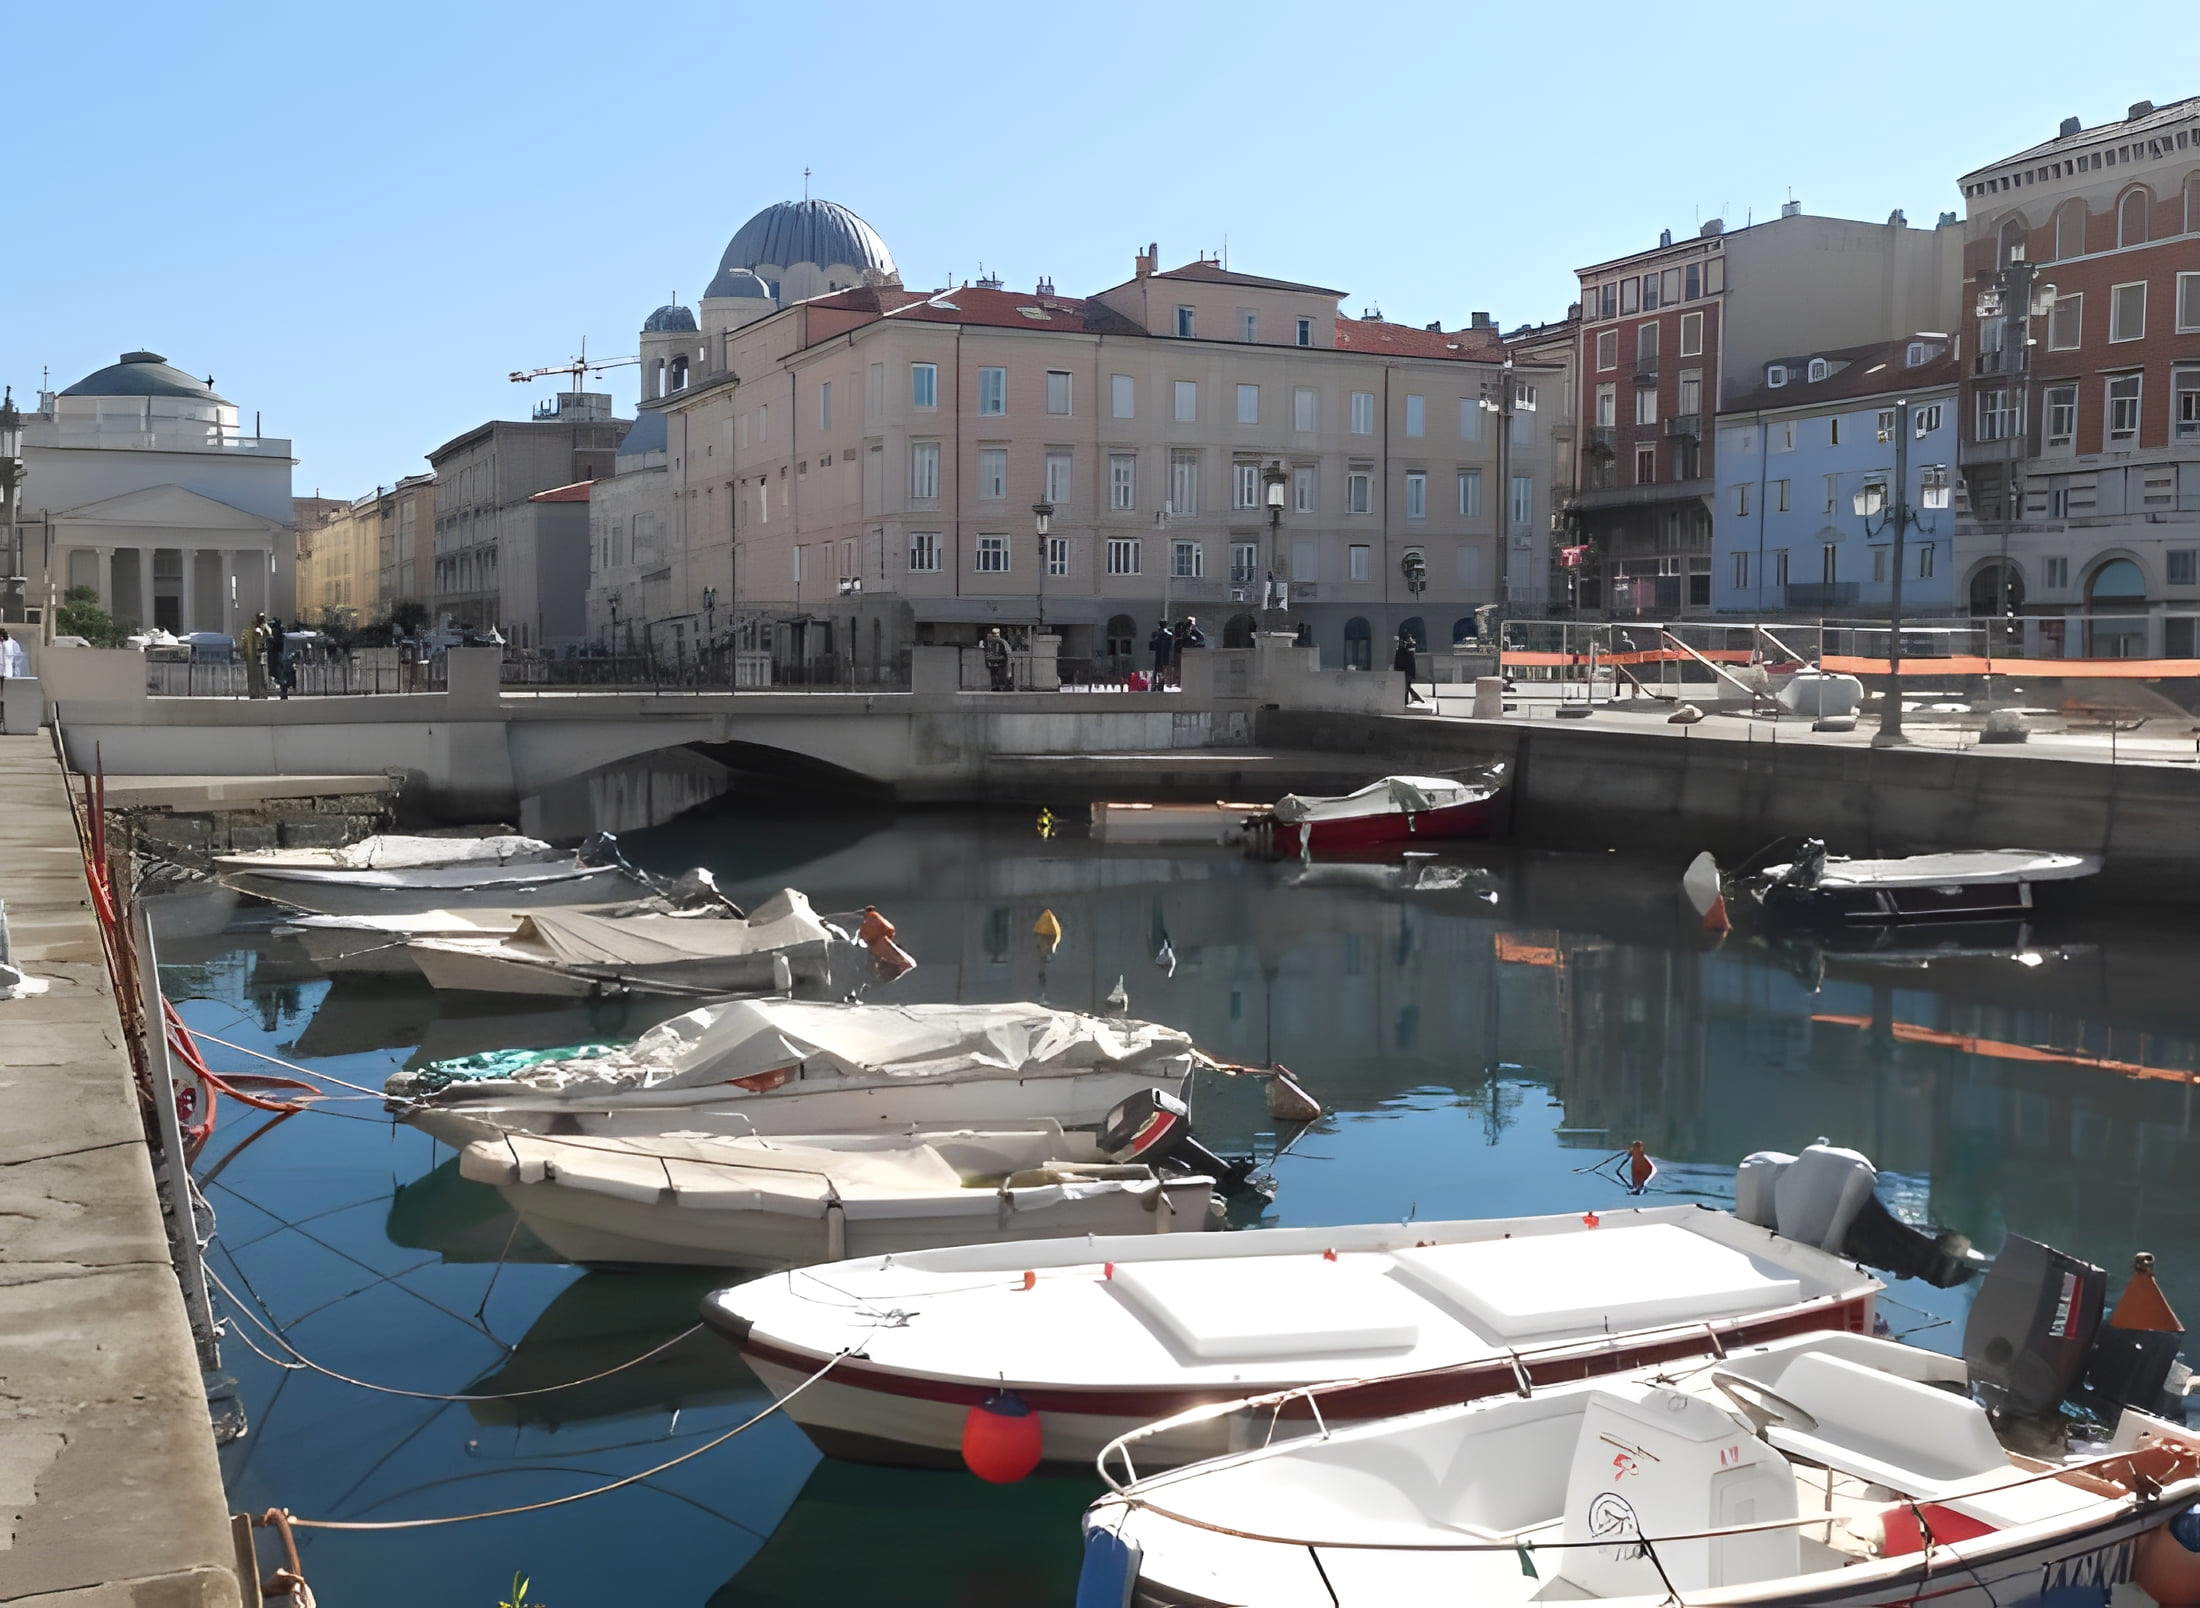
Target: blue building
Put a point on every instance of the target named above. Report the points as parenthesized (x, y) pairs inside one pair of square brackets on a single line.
[(1794, 453)]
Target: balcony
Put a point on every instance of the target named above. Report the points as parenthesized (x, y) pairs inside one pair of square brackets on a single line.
[(1685, 424), (170, 438), (1603, 440), (1646, 377), (1593, 497), (1822, 594), (2009, 360)]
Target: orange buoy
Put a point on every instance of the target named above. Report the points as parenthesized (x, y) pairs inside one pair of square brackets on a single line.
[(2143, 1305), (877, 935), (1590, 1219), (1640, 1168), (2167, 1567), (1031, 1280), (1001, 1438)]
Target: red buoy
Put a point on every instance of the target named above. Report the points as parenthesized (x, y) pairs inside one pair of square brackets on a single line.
[(1001, 1438), (1640, 1168), (1590, 1219)]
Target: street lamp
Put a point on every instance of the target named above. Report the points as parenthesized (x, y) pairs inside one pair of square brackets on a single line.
[(710, 614), (12, 579), (1275, 596), (1042, 521), (1890, 506), (613, 600)]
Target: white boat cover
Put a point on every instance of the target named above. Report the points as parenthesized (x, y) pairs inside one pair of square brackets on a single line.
[(585, 938), (395, 852), (748, 1037), (1969, 867), (1393, 795)]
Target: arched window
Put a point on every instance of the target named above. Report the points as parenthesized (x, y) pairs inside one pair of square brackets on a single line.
[(1997, 589), (1122, 636), (1816, 370), (679, 372), (2070, 230), (2014, 234), (2115, 607), (657, 378), (2132, 214), (1462, 629), (1416, 629), (1238, 631), (1358, 654)]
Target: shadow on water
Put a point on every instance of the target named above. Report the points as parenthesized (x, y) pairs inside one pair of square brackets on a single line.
[(1481, 1026)]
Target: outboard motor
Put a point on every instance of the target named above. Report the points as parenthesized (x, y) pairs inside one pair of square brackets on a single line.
[(1825, 1197), (2031, 1328), (1154, 1128), (1807, 867)]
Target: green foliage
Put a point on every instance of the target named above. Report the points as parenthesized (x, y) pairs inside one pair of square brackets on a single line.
[(408, 615), (81, 615), (520, 1583)]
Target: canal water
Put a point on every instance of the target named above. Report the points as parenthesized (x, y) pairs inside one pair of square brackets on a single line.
[(1482, 1028)]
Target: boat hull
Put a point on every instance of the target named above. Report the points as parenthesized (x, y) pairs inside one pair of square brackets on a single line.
[(324, 894), (1380, 832), (872, 1414), (480, 969)]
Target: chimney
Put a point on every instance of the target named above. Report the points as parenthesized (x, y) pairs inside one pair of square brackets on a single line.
[(1046, 285), (1434, 326), (2070, 126), (1665, 237), (1146, 263), (1898, 219), (1481, 321), (1791, 209), (1711, 227), (1573, 309), (1946, 219), (2139, 109)]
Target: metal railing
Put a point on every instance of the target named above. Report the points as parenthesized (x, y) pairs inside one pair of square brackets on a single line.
[(715, 671), (337, 675)]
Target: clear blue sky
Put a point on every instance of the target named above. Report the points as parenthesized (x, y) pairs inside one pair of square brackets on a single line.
[(359, 219)]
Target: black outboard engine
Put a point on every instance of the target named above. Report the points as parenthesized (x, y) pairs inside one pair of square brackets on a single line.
[(1808, 866), (2031, 1328), (1154, 1128)]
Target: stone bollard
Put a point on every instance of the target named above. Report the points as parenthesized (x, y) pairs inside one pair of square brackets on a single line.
[(2004, 726), (1489, 697)]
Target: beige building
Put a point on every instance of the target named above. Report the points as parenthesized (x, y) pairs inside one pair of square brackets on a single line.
[(872, 476), (336, 562)]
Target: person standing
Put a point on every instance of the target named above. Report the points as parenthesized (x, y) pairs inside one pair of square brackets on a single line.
[(1163, 646), (995, 651), (255, 657), (278, 656), (13, 660), (1403, 660)]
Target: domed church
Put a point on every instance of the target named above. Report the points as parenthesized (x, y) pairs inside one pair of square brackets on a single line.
[(789, 252)]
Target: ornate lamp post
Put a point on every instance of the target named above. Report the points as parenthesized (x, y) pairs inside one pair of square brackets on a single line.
[(1275, 595), (613, 600), (1042, 521), (1891, 508), (12, 579)]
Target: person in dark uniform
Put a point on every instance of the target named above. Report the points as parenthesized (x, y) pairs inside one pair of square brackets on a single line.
[(1163, 645), (995, 652), (1402, 660)]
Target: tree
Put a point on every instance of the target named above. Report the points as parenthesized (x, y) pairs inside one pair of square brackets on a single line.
[(81, 615), (408, 615)]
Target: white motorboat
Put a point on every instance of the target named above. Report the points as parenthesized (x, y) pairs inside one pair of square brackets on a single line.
[(776, 1066), (1815, 888), (748, 1201), (1824, 1469), (1100, 1336), (377, 944), (580, 954), (397, 875)]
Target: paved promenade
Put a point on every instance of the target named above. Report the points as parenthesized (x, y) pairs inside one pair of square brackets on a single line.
[(109, 1490)]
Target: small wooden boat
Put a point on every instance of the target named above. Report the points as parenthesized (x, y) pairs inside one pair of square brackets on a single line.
[(1219, 822), (1824, 1469), (748, 1201), (1815, 888), (1396, 812), (1099, 1336), (397, 875)]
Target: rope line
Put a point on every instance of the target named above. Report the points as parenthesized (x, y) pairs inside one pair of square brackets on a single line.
[(581, 1496), (292, 1066)]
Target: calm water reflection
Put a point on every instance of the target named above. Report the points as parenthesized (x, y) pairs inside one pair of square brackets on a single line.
[(1480, 1030)]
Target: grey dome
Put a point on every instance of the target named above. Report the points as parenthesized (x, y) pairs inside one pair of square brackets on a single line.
[(143, 374), (823, 232), (671, 318), (737, 282)]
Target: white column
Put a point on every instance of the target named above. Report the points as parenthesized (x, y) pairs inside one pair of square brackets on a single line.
[(233, 598), (105, 580), (202, 617), (145, 585)]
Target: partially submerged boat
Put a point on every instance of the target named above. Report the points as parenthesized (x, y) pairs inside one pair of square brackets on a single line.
[(1824, 1469), (398, 875), (1396, 812), (1814, 888), (750, 1201), (1220, 822), (782, 1066)]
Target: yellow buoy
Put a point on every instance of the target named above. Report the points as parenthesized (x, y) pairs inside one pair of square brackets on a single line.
[(1048, 931)]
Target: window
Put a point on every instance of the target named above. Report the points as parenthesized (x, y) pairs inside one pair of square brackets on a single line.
[(1361, 561), (1121, 398), (1691, 333), (1303, 405), (924, 470), (2127, 311), (2123, 410), (2180, 561), (1925, 420), (2185, 403), (763, 421), (1303, 567), (1607, 349), (1183, 323), (1884, 425), (992, 390), (1607, 405), (1741, 560), (1122, 480), (1925, 552), (1244, 563), (1057, 555), (1779, 566), (924, 385), (1123, 555), (1248, 404), (1359, 494), (1714, 276), (1523, 500), (1245, 485), (2000, 414), (1646, 347), (1630, 296), (1669, 286), (1646, 405), (992, 555), (1650, 296), (924, 550), (1057, 478), (1816, 370), (1879, 563), (1187, 401), (993, 471), (1363, 412), (2056, 573), (2070, 230), (2066, 323), (1184, 484), (1780, 499), (1776, 375), (1833, 493), (1187, 560), (1470, 418), (1306, 332), (2061, 403), (1470, 494), (1248, 325), (825, 405), (1416, 494), (875, 393), (1057, 392), (1646, 466), (1691, 392), (2188, 301), (2131, 217), (1833, 431), (1416, 415), (1932, 486), (1829, 562), (1781, 437), (1741, 502), (1303, 493)]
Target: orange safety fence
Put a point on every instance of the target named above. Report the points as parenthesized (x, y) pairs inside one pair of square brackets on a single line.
[(1957, 664), (2001, 1049)]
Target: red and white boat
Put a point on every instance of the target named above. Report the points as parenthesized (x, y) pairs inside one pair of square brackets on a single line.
[(1395, 813), (1098, 1336)]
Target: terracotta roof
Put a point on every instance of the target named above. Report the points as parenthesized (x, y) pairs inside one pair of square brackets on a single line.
[(1873, 369), (1014, 309), (2124, 128), (1214, 273), (576, 492), (1404, 340)]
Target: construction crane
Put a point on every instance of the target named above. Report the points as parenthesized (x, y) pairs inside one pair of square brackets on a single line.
[(579, 367)]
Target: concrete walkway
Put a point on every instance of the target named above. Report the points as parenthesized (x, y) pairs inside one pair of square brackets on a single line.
[(110, 1494)]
